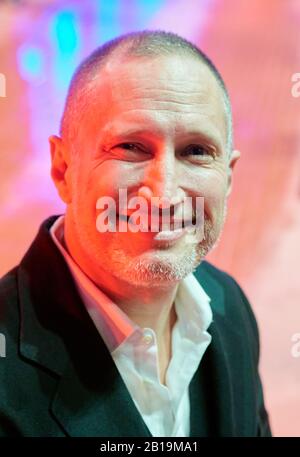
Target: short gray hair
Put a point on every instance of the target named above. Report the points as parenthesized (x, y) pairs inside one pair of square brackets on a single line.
[(136, 44)]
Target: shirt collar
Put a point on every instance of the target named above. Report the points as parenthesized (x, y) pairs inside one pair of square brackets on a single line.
[(192, 304)]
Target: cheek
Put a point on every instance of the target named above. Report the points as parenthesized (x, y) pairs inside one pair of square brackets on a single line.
[(104, 180), (212, 185), (113, 175)]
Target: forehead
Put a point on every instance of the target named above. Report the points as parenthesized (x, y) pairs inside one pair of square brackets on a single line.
[(175, 92)]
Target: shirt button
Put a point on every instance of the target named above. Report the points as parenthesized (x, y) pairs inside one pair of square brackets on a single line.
[(147, 339)]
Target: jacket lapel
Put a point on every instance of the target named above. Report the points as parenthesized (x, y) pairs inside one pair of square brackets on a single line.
[(211, 391), (57, 333), (92, 399)]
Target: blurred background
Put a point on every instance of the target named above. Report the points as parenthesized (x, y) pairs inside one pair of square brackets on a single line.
[(256, 47)]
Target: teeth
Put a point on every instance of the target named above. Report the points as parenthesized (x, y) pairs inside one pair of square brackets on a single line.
[(168, 235), (168, 228)]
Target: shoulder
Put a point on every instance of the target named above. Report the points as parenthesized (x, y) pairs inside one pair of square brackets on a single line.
[(226, 293), (220, 276), (8, 293), (217, 278), (9, 318)]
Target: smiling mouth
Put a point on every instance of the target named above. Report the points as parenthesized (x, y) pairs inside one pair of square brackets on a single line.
[(174, 224)]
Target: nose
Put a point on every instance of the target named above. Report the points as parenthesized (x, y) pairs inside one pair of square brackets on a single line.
[(161, 180)]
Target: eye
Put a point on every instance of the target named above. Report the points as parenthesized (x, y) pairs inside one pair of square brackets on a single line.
[(198, 153), (131, 151), (198, 150), (128, 146)]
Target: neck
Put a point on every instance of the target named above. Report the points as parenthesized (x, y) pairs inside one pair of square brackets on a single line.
[(155, 311)]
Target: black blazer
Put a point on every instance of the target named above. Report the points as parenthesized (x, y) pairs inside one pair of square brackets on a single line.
[(58, 378)]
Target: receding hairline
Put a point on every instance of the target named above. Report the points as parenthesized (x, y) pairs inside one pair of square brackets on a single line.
[(145, 44)]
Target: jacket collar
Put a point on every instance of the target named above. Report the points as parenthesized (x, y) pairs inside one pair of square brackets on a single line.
[(58, 334)]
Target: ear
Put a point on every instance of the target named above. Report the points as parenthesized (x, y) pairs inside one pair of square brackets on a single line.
[(235, 155), (60, 167)]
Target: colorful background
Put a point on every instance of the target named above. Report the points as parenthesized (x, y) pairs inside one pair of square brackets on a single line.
[(256, 46)]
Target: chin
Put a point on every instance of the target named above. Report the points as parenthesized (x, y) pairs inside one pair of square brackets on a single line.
[(155, 269)]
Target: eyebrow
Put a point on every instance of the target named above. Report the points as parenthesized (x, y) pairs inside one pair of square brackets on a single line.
[(113, 133)]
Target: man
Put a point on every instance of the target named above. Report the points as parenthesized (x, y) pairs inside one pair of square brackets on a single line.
[(130, 332)]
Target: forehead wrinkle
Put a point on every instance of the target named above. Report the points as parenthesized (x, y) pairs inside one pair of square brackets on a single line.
[(143, 98), (147, 92), (138, 85), (164, 97), (204, 113), (168, 98), (167, 105)]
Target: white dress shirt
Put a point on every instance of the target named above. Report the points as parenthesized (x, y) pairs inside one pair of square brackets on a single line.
[(165, 409)]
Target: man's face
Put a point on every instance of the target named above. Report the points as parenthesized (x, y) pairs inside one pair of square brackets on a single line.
[(159, 123)]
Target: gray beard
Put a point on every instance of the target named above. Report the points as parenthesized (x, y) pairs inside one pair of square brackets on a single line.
[(162, 269)]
